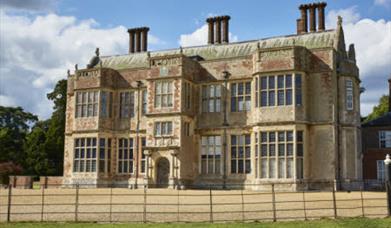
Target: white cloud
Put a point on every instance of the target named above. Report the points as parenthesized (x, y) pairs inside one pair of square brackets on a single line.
[(386, 3), (199, 37), (36, 52), (349, 15), (373, 52)]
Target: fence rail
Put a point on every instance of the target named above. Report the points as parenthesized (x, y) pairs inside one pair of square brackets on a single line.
[(115, 204)]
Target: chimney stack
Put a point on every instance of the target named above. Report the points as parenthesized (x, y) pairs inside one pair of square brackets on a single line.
[(303, 22), (218, 29), (138, 39)]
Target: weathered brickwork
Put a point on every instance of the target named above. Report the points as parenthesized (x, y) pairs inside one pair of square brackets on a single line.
[(222, 92)]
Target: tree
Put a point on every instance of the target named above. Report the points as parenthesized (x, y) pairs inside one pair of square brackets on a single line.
[(379, 110), (37, 161), (55, 137), (14, 126)]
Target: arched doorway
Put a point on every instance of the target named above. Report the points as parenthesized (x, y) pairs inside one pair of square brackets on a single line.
[(163, 172)]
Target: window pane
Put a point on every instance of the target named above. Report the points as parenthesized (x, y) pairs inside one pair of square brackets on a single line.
[(280, 81), (272, 98), (281, 168), (272, 168), (280, 97), (288, 97), (288, 81), (272, 84), (263, 83)]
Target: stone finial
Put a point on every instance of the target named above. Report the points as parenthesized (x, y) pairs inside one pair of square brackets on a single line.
[(352, 53), (76, 67), (69, 72), (94, 60), (339, 20), (97, 52)]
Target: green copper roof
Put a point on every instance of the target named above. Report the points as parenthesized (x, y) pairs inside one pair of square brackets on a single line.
[(221, 51)]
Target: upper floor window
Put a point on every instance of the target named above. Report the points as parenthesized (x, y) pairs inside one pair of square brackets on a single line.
[(298, 89), (187, 94), (106, 100), (211, 98), (210, 154), (144, 102), (84, 159), (349, 94), (87, 104), (240, 96), (186, 128), (163, 94), (126, 104), (163, 128), (277, 90), (240, 154), (385, 139)]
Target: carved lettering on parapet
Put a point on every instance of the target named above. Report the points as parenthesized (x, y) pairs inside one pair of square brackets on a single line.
[(275, 54), (89, 73), (165, 61)]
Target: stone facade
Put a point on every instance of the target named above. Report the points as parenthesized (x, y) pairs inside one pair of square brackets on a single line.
[(220, 113)]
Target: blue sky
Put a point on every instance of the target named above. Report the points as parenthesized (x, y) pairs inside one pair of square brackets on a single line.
[(41, 39)]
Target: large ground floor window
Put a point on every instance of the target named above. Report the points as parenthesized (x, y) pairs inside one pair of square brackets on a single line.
[(125, 155), (84, 159), (240, 153), (210, 154), (279, 155)]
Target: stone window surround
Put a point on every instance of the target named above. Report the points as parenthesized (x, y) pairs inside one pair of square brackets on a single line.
[(216, 99), (295, 157), (244, 159), (82, 107), (245, 107), (206, 147), (187, 90), (129, 102), (80, 148), (257, 88), (159, 96), (168, 126)]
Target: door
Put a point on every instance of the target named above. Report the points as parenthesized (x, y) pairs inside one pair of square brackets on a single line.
[(163, 172)]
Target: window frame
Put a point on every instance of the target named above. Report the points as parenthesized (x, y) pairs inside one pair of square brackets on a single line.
[(207, 99), (126, 106), (165, 128), (245, 159), (380, 169), (83, 103), (384, 139), (206, 157), (161, 95), (81, 149), (245, 96), (128, 160), (349, 93)]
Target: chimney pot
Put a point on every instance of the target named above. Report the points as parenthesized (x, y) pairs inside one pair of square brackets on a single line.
[(210, 22), (218, 30), (225, 24), (312, 8)]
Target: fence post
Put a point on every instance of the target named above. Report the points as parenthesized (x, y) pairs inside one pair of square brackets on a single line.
[(111, 202), (43, 202), (334, 202), (304, 206), (274, 204), (145, 205), (77, 202), (362, 202), (177, 217), (9, 203), (387, 175), (210, 203), (241, 193)]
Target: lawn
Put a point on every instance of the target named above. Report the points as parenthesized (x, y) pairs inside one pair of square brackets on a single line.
[(351, 222)]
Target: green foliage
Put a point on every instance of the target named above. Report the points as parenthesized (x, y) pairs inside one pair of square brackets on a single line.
[(14, 126), (45, 144), (379, 110)]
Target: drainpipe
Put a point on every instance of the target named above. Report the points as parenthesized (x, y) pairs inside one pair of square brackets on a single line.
[(225, 125), (139, 83)]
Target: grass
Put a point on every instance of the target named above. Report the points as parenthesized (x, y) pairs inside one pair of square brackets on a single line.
[(351, 222)]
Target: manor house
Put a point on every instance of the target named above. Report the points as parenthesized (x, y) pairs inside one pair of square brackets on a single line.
[(275, 110)]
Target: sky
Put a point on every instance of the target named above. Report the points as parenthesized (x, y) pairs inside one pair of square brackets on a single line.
[(41, 39)]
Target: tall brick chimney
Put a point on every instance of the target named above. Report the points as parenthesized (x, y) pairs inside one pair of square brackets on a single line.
[(218, 29), (303, 23), (138, 39)]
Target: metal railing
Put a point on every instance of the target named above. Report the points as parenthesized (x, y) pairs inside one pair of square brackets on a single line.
[(210, 204)]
